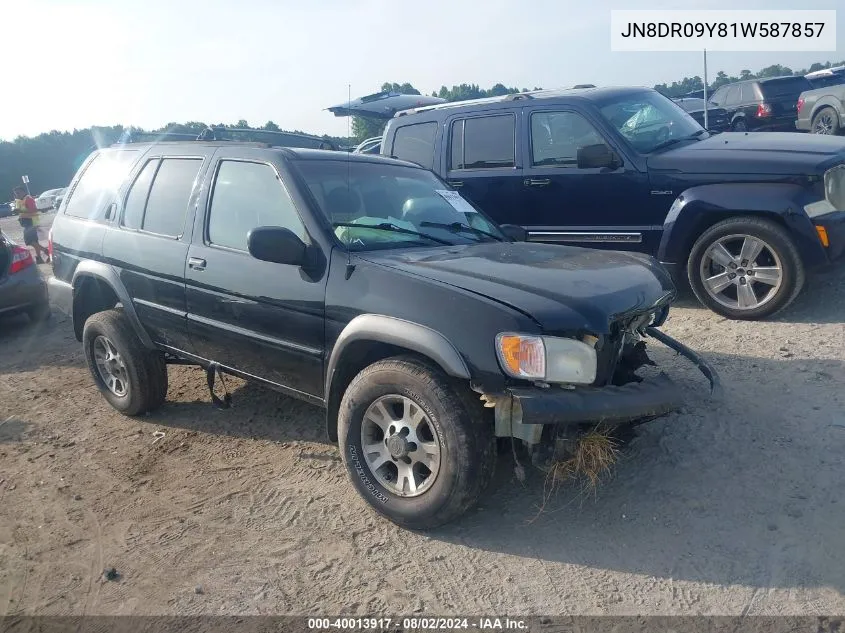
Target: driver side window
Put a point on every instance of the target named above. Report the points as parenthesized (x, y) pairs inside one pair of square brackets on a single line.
[(556, 138)]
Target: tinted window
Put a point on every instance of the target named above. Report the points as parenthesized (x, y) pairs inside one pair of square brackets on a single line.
[(456, 158), (133, 210), (732, 97), (415, 143), (99, 183), (247, 195), (747, 93), (557, 136), (168, 199), (719, 96), (487, 142), (785, 87)]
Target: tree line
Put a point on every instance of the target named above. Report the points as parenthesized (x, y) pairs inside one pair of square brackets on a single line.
[(51, 159)]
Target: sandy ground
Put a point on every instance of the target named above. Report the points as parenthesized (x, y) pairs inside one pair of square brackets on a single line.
[(733, 507)]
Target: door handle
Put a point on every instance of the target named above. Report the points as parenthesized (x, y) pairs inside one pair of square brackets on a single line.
[(456, 183), (196, 263), (537, 182)]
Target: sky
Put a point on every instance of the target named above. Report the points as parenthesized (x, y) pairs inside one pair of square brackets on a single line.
[(150, 62)]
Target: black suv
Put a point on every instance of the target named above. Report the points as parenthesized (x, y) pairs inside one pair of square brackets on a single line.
[(361, 284), (762, 105), (741, 217)]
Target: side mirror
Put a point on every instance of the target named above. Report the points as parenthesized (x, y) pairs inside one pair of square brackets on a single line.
[(514, 232), (278, 245), (597, 156)]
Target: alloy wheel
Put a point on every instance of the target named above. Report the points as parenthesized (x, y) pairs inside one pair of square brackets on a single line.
[(400, 445), (110, 366), (741, 272), (823, 124)]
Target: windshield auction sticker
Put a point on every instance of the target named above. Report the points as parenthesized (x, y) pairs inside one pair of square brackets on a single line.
[(454, 198), (723, 30)]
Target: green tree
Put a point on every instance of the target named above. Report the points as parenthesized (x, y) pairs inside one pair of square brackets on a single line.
[(271, 127)]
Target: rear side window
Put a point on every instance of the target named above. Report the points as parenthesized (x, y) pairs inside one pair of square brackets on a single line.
[(245, 196), (169, 195), (99, 184), (483, 143), (747, 93), (732, 97), (133, 210), (415, 143), (785, 87)]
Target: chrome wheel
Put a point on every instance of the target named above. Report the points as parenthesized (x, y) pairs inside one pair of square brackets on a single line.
[(823, 123), (741, 272), (110, 366), (400, 445)]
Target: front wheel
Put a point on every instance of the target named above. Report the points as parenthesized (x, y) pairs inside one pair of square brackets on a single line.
[(745, 268), (415, 449)]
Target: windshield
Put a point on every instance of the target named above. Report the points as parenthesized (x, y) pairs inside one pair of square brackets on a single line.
[(648, 120), (410, 207)]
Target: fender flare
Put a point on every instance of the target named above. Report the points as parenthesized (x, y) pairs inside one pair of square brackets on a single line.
[(109, 275), (380, 328), (700, 207), (829, 101)]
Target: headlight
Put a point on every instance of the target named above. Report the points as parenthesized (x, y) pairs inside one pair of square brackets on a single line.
[(834, 187), (551, 359)]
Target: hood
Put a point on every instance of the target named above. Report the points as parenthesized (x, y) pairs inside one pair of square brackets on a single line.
[(563, 288), (763, 153)]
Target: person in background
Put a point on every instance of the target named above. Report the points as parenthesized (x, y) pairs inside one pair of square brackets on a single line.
[(28, 218)]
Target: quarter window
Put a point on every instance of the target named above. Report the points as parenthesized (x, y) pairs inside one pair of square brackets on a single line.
[(556, 138), (483, 142), (133, 211), (99, 183), (415, 143), (248, 195)]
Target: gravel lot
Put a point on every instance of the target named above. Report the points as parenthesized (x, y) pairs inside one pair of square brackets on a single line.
[(733, 507)]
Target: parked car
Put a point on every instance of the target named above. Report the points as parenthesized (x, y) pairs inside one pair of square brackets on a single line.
[(22, 290), (361, 284), (742, 217), (822, 111), (827, 77), (47, 200), (369, 146), (717, 118), (59, 196), (762, 105), (6, 209)]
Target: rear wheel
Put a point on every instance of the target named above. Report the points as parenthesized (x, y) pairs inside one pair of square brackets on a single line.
[(745, 268), (739, 126), (131, 378), (39, 312), (826, 121), (414, 447)]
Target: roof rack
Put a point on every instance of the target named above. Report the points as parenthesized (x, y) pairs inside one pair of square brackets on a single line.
[(271, 138)]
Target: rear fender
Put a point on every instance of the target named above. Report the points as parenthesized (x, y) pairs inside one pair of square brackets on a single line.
[(108, 275), (699, 208)]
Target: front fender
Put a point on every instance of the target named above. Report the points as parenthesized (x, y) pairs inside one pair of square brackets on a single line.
[(108, 275), (698, 208), (385, 329)]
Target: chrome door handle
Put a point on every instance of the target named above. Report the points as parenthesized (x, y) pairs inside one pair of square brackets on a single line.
[(536, 182), (196, 263)]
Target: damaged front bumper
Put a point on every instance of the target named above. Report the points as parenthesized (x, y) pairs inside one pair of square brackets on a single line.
[(523, 412)]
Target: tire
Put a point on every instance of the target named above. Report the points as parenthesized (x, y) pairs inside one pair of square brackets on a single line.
[(39, 313), (779, 257), (739, 126), (142, 382), (826, 121), (453, 421)]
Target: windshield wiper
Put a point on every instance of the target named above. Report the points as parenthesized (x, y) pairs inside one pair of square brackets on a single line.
[(387, 226), (680, 139), (458, 227)]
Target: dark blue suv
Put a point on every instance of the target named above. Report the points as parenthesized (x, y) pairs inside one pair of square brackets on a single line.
[(742, 216)]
